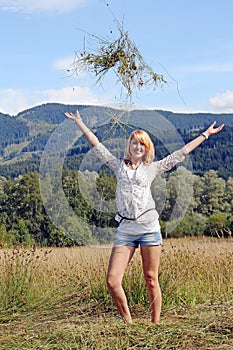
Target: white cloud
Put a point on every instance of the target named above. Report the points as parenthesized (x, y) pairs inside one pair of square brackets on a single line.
[(63, 63), (30, 6), (14, 101), (66, 64), (223, 102), (71, 95)]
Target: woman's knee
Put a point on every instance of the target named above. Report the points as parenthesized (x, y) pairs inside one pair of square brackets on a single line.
[(151, 280), (113, 282)]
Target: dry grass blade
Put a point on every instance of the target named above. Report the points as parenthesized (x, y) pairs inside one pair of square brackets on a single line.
[(121, 56), (67, 304)]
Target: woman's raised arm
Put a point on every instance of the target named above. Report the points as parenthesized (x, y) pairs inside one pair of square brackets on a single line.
[(190, 146), (91, 138)]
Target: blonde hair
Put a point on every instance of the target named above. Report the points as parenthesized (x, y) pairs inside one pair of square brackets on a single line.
[(142, 137)]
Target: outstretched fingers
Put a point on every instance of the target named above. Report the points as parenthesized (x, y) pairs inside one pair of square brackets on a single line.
[(70, 115), (214, 130)]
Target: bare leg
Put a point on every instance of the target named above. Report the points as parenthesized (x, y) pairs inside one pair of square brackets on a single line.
[(151, 261), (119, 260)]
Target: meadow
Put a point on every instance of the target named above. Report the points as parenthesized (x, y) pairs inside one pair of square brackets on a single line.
[(57, 299)]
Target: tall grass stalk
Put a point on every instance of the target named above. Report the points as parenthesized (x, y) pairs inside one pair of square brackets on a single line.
[(20, 277), (193, 271)]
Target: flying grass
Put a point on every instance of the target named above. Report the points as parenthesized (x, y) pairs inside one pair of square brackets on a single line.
[(121, 56)]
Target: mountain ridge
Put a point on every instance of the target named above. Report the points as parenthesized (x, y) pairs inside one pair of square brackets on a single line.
[(24, 136)]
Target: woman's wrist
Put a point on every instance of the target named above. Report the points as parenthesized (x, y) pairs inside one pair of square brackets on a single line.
[(78, 120), (206, 135), (82, 126)]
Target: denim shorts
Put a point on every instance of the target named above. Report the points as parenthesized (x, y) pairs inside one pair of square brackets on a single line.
[(146, 239)]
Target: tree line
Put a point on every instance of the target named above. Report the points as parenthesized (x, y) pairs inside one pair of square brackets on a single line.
[(203, 205)]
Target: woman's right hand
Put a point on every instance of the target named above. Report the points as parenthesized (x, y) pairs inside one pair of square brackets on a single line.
[(91, 138), (73, 117)]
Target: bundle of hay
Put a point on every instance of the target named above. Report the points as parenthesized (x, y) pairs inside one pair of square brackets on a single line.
[(121, 56)]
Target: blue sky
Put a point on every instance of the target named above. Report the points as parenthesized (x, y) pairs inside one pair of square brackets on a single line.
[(189, 42)]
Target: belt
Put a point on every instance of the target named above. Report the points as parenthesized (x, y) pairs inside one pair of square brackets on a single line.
[(133, 219)]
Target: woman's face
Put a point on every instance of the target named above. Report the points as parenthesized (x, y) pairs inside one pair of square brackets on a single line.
[(137, 149)]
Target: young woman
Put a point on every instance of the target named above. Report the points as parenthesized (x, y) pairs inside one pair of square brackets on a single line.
[(137, 215)]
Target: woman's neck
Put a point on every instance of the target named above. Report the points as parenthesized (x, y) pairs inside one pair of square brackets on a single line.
[(135, 163)]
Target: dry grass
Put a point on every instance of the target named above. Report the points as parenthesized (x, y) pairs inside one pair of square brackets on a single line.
[(57, 299), (120, 56), (195, 271)]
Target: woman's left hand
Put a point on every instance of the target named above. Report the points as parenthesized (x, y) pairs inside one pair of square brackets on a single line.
[(212, 130)]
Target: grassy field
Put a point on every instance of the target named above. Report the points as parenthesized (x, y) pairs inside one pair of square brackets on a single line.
[(57, 299)]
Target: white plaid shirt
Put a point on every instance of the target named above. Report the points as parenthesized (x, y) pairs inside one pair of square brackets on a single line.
[(133, 196)]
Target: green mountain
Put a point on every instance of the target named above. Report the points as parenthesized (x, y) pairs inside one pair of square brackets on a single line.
[(23, 137)]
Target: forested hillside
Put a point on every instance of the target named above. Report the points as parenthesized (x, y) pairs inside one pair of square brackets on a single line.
[(24, 137)]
